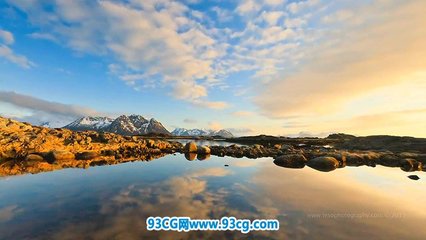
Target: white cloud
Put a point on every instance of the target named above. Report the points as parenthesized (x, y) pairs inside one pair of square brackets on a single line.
[(223, 15), (243, 113), (272, 17), (247, 6), (294, 22), (11, 56), (296, 7), (274, 2), (44, 36), (6, 37), (211, 104)]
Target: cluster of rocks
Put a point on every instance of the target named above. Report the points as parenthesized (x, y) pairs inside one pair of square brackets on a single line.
[(30, 149), (192, 152), (319, 158), (330, 159)]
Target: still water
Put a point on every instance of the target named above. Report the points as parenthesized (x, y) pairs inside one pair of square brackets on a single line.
[(113, 202), (206, 142)]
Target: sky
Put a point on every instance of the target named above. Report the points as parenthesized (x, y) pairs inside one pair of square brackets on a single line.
[(278, 67)]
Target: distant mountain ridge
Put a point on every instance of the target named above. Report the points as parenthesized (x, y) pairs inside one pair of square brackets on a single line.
[(123, 125), (202, 132)]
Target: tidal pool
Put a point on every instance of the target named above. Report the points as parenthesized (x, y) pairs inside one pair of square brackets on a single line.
[(113, 202)]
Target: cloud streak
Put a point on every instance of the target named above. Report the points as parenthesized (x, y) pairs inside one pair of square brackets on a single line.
[(38, 111), (7, 38), (37, 104)]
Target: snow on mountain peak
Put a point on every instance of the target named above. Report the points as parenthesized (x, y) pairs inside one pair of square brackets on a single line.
[(201, 132), (124, 125)]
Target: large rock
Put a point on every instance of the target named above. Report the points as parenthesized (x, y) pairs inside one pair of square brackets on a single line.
[(33, 157), (190, 156), (203, 150), (291, 161), (353, 159), (190, 147), (203, 157), (324, 164), (88, 155), (409, 165), (59, 155)]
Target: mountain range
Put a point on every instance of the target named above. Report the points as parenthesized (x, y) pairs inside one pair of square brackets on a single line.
[(202, 132), (134, 125), (124, 125)]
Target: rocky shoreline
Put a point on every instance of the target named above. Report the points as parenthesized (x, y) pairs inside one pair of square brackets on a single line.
[(317, 157), (30, 149)]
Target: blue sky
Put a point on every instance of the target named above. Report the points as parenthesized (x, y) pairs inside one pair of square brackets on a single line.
[(255, 66)]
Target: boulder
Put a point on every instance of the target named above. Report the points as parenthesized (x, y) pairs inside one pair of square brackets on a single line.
[(88, 155), (33, 157), (409, 165), (190, 147), (291, 161), (59, 155), (324, 164), (353, 159), (203, 157), (203, 150), (190, 156)]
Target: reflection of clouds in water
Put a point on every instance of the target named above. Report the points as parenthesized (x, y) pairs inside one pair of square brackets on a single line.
[(9, 212), (211, 172), (267, 192), (123, 217), (246, 163), (316, 192)]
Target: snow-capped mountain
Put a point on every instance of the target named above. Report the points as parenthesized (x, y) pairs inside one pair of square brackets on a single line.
[(223, 133), (90, 123), (201, 132), (124, 125), (190, 132)]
